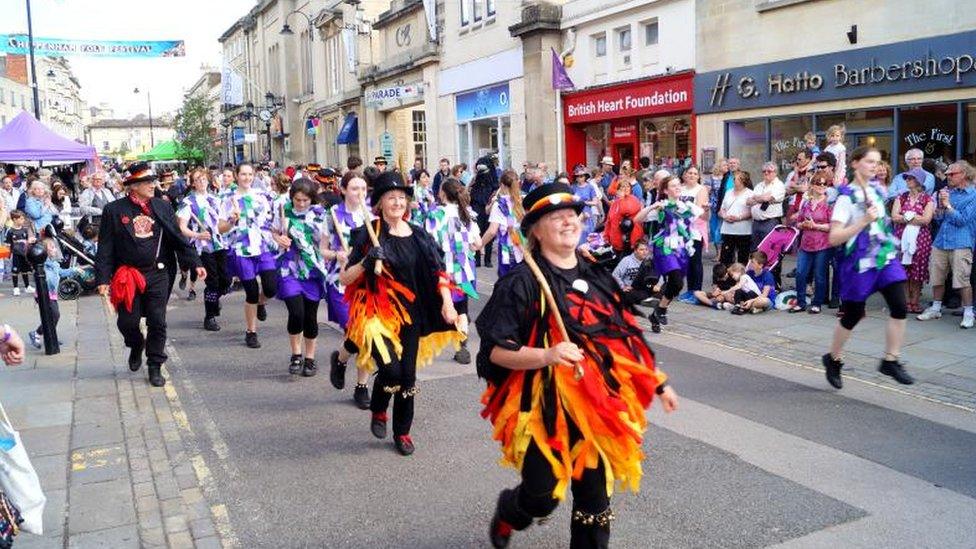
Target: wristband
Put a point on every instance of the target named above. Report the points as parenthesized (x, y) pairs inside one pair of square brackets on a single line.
[(660, 388), (7, 332)]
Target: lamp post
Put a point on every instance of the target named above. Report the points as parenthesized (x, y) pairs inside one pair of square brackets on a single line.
[(33, 70), (230, 146), (286, 29), (152, 140)]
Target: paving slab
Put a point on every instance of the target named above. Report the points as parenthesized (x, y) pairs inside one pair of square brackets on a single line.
[(45, 441), (101, 433), (100, 506), (123, 537)]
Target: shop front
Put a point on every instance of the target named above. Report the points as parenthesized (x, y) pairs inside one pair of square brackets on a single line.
[(484, 124), (397, 113), (915, 94), (646, 118)]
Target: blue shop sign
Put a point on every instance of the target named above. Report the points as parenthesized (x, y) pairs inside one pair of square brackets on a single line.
[(934, 63), (238, 136), (493, 101)]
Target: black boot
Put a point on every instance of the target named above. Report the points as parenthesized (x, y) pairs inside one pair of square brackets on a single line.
[(404, 444), (590, 530), (655, 322), (156, 378), (662, 315), (463, 356), (377, 424), (135, 358), (210, 324), (896, 370), (262, 313), (251, 340), (508, 517), (361, 396), (309, 369), (295, 365), (337, 371), (832, 368)]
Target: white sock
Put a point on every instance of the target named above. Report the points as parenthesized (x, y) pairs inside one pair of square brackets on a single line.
[(937, 306), (967, 311)]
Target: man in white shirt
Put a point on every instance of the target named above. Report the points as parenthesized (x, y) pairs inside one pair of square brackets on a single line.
[(94, 198), (766, 203), (9, 194)]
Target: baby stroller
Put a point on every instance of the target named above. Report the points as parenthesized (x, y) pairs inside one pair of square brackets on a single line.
[(83, 281), (778, 243)]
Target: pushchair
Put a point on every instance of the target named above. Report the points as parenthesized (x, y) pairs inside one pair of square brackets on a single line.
[(778, 243), (83, 280)]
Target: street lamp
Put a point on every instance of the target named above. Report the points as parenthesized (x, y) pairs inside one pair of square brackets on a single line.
[(30, 45), (152, 140), (286, 29)]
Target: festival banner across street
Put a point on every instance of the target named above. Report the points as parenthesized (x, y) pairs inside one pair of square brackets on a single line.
[(57, 47)]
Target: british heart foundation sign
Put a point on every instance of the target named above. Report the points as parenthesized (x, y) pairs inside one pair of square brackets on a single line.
[(647, 98)]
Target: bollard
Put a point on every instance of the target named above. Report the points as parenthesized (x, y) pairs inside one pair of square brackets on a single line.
[(37, 255)]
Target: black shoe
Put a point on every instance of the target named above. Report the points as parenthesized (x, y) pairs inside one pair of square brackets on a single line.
[(463, 356), (377, 425), (192, 295), (896, 370), (832, 367), (662, 317), (251, 340), (262, 313), (210, 324), (309, 369), (500, 532), (156, 378), (488, 263), (337, 371), (135, 358), (183, 280), (404, 445), (295, 365), (361, 396), (834, 303), (655, 323), (738, 311)]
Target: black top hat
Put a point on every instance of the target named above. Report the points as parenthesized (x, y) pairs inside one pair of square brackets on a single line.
[(385, 182), (547, 198), (379, 160), (137, 172)]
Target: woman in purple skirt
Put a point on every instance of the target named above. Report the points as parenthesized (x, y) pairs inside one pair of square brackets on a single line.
[(674, 242), (300, 233), (868, 263), (245, 219)]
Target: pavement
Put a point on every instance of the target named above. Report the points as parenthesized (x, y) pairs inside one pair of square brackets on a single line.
[(940, 355), (108, 449), (237, 453)]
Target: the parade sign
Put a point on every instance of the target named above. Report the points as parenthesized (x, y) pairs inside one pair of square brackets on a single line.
[(57, 47), (393, 96)]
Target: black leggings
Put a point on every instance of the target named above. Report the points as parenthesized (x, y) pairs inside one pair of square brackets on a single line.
[(269, 283), (217, 282), (895, 299), (397, 379), (23, 276), (672, 284), (735, 249), (695, 268), (302, 316)]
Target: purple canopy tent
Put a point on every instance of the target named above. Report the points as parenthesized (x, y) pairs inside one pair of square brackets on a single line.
[(25, 140)]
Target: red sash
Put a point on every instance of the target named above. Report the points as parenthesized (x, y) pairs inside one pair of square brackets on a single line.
[(126, 283)]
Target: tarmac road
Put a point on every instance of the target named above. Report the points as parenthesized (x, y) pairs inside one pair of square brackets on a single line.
[(758, 455)]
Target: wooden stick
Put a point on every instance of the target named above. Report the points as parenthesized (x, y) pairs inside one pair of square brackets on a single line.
[(335, 223), (372, 236), (546, 291)]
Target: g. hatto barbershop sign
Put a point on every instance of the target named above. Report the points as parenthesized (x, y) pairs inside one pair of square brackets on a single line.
[(935, 63)]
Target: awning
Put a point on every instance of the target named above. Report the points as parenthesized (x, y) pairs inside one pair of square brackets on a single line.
[(349, 133)]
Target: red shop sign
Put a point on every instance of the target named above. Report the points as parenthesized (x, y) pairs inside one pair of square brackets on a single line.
[(651, 97)]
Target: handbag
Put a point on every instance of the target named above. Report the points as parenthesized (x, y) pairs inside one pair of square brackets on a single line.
[(10, 521), (18, 480)]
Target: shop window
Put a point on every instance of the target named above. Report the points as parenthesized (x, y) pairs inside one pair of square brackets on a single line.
[(931, 128), (787, 139), (597, 142), (666, 140), (878, 119), (600, 45), (747, 142), (650, 33)]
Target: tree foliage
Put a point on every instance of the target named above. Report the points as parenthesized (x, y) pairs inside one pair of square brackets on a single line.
[(194, 125)]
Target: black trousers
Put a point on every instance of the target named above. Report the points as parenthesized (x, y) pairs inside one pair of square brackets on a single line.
[(152, 305), (302, 316), (533, 499), (696, 270), (483, 226), (397, 380), (735, 249), (217, 282)]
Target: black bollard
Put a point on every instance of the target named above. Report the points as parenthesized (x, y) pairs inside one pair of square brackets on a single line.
[(37, 255)]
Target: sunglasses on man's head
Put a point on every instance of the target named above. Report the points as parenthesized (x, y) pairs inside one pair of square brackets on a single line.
[(823, 166)]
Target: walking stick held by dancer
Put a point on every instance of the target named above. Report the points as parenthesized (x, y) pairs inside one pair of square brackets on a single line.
[(372, 236), (516, 237)]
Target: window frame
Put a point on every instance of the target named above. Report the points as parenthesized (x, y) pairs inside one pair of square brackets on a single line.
[(656, 24), (619, 33), (465, 13), (597, 38)]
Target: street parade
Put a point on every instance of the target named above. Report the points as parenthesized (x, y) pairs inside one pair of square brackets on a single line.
[(573, 274)]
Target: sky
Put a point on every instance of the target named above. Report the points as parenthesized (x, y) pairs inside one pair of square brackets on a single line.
[(198, 22)]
